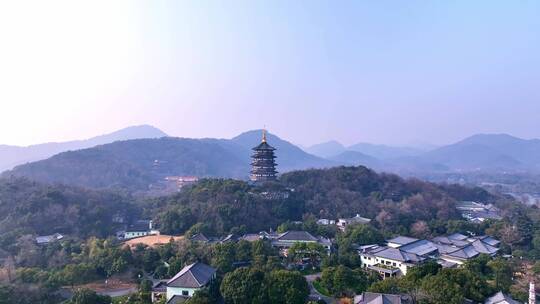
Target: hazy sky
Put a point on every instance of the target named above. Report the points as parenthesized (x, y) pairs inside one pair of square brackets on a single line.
[(395, 72)]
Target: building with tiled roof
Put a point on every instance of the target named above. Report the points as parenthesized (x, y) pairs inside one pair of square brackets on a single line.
[(378, 298), (402, 253), (286, 240), (199, 237), (342, 223), (399, 241), (388, 261), (190, 279), (501, 298)]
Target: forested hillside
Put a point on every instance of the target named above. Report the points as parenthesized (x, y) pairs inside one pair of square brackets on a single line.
[(28, 208), (223, 206)]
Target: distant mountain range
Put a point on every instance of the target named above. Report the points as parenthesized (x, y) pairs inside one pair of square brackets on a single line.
[(117, 160), (482, 152), (136, 164), (488, 152), (11, 156), (333, 148)]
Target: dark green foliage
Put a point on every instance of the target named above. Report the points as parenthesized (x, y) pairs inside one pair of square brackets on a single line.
[(342, 280), (29, 208), (223, 206), (286, 287), (86, 296), (389, 286), (244, 285), (503, 273), (250, 285), (455, 285)]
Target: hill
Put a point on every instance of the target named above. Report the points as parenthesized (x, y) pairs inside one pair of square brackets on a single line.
[(11, 156), (488, 152), (137, 164), (290, 157), (326, 149), (31, 208), (383, 151), (394, 203), (357, 158)]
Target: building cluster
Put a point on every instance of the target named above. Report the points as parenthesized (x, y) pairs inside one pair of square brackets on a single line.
[(342, 223), (282, 241), (380, 298), (477, 212), (401, 253)]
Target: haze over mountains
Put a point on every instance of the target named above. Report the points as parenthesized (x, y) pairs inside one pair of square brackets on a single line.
[(481, 152), (11, 156), (136, 157), (136, 164)]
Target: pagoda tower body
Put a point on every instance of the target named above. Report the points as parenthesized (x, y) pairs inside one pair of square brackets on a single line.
[(263, 162)]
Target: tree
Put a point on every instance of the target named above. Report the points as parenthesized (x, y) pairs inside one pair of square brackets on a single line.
[(479, 265), (411, 283), (456, 284), (439, 290), (224, 256), (502, 274), (342, 280), (312, 251), (244, 285), (287, 287), (150, 260), (389, 286), (201, 296), (87, 296)]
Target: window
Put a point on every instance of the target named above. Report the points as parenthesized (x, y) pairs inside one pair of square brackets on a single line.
[(185, 292), (394, 264)]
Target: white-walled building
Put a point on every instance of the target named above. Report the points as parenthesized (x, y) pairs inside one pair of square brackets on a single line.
[(190, 279)]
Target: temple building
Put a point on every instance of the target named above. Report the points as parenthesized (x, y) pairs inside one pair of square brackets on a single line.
[(263, 164)]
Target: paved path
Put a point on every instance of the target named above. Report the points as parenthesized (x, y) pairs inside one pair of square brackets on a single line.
[(314, 295), (118, 292)]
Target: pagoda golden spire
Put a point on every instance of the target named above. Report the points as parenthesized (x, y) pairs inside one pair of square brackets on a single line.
[(264, 135)]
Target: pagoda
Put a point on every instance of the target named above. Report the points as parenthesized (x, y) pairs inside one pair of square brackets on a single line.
[(263, 164)]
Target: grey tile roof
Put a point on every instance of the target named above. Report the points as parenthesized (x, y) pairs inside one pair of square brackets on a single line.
[(446, 240), (464, 253), (488, 240), (482, 247), (402, 240), (446, 264), (251, 237), (357, 219), (195, 275), (302, 236), (199, 237), (501, 298), (230, 238), (396, 255), (421, 247), (457, 237), (160, 286), (49, 238), (177, 299), (377, 298)]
